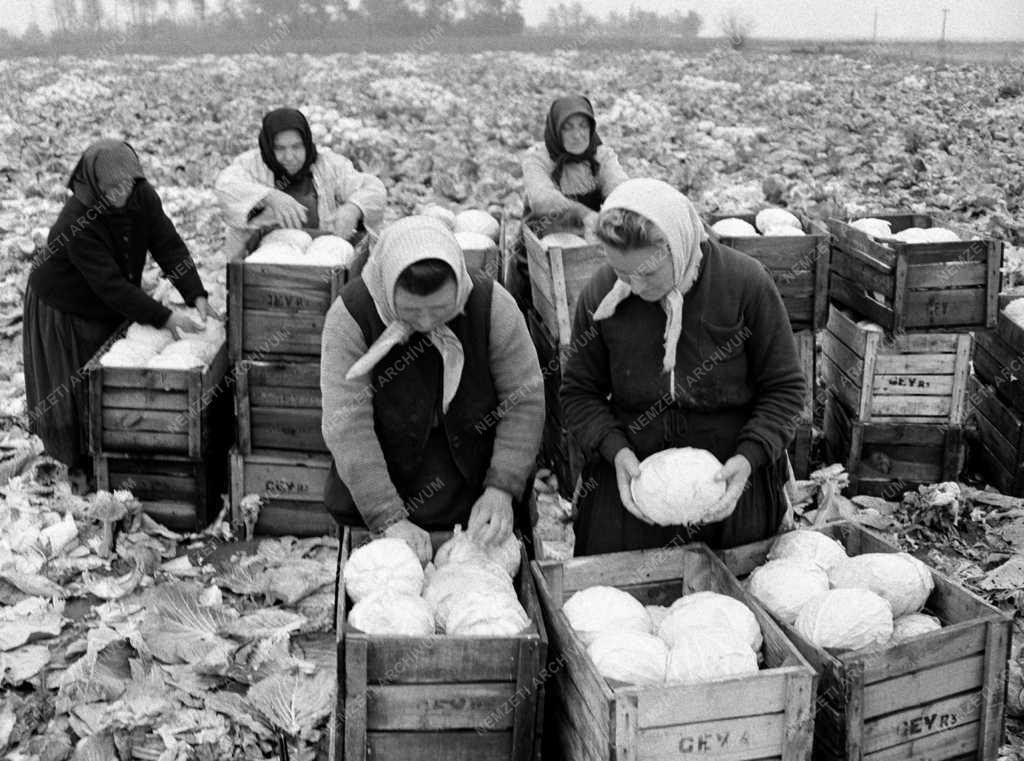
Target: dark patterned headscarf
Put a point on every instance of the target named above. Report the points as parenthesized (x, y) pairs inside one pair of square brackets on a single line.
[(560, 111), (102, 167), (280, 120)]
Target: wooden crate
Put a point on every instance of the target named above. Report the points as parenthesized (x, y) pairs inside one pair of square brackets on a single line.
[(799, 264), (292, 487), (182, 493), (557, 276), (552, 356), (1000, 365), (886, 459), (278, 406), (486, 260), (938, 696), (154, 411), (277, 311), (907, 378), (441, 697), (921, 285), (998, 444), (800, 449), (765, 716)]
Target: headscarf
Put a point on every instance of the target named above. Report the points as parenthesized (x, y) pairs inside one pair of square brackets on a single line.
[(102, 166), (404, 243), (278, 121), (678, 221), (560, 111)]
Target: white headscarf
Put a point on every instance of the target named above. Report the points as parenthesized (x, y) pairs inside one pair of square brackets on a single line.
[(679, 223), (404, 243)]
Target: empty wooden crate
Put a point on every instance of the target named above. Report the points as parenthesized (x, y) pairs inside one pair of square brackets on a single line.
[(906, 286), (149, 410), (768, 715), (908, 378), (291, 488), (886, 459), (937, 696), (278, 406), (998, 442), (458, 698), (799, 264)]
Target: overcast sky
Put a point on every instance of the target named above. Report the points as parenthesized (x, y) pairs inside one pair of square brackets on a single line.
[(897, 19)]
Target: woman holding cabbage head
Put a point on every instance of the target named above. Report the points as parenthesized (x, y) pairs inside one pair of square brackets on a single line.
[(433, 400), (679, 342)]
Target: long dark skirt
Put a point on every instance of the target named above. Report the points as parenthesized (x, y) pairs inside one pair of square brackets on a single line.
[(604, 525), (56, 347)]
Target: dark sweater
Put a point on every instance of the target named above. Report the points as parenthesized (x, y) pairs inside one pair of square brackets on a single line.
[(736, 366), (92, 264)]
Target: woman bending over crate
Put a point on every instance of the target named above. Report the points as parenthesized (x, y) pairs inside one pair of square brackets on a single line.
[(433, 401), (86, 282), (288, 182), (678, 342)]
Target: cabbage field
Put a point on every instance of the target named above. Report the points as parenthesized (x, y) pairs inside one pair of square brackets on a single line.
[(825, 134)]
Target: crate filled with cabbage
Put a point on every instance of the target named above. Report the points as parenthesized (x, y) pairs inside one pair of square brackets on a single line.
[(279, 292), (478, 234), (911, 272), (442, 660), (662, 654), (911, 664), (151, 391), (795, 250)]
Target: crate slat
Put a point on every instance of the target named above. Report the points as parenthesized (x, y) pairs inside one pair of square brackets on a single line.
[(749, 737), (292, 487), (431, 746)]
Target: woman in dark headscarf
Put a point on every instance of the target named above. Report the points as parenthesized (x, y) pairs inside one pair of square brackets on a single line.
[(86, 282), (288, 182)]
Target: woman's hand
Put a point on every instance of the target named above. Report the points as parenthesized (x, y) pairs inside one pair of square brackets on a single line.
[(202, 305), (735, 472), (181, 322), (414, 536), (490, 520), (627, 467), (288, 211), (346, 220)]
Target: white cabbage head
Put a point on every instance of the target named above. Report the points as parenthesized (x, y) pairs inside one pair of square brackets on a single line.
[(876, 228), (275, 253), (812, 546), (390, 612), (677, 486), (712, 610), (300, 239), (562, 240), (767, 219), (126, 353), (913, 625), (597, 609), (385, 563), (846, 619), (158, 338), (734, 228), (440, 212), (700, 655), (462, 549), (898, 577), (1015, 311), (330, 251), (454, 581), (783, 586), (657, 613), (486, 615), (477, 221), (631, 657)]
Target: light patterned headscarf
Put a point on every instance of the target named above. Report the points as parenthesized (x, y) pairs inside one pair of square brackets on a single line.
[(402, 244), (679, 223)]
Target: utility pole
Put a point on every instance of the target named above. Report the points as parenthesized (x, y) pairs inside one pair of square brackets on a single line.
[(942, 41), (874, 30)]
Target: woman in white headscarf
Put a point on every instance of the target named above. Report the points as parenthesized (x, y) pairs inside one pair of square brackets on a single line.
[(678, 342), (433, 401)]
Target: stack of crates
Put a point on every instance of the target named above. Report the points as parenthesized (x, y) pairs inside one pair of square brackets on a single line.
[(799, 265), (162, 434), (276, 316), (897, 349), (995, 404)]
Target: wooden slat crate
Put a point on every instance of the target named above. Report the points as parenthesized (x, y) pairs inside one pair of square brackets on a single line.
[(999, 364), (276, 311), (886, 459), (765, 716), (557, 276), (552, 356), (998, 446), (907, 378), (800, 449), (799, 264), (938, 696), (458, 698), (921, 285), (182, 493), (172, 412), (487, 260), (292, 487), (278, 406)]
